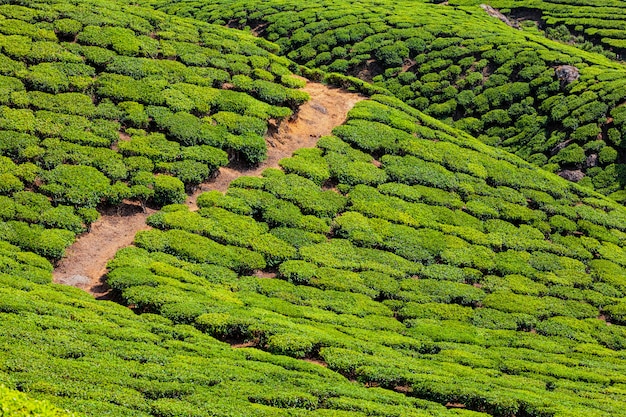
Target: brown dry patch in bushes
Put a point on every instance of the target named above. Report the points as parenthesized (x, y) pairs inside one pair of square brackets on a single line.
[(455, 405), (316, 362), (84, 264), (251, 343), (264, 274)]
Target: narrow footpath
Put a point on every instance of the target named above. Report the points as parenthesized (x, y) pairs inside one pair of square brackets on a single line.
[(84, 265), (327, 109)]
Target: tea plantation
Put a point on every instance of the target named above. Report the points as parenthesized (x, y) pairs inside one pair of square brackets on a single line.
[(101, 102), (435, 266), (408, 265), (551, 103), (591, 25)]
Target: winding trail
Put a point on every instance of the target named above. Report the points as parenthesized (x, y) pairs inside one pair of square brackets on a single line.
[(327, 109), (84, 265)]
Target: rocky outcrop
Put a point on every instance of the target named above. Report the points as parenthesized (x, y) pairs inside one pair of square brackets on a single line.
[(566, 73), (572, 175), (498, 15)]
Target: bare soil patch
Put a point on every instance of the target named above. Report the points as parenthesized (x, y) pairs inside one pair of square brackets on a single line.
[(315, 361), (604, 319), (327, 109), (84, 265), (264, 274), (368, 70), (455, 405), (251, 343)]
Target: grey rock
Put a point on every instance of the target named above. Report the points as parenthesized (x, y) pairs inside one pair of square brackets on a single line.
[(566, 73), (592, 160), (319, 108), (498, 15), (560, 146), (572, 175)]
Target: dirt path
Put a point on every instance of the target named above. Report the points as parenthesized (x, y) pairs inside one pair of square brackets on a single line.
[(327, 109), (84, 265)]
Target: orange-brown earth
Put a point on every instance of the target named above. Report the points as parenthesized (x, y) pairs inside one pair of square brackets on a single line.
[(84, 265), (327, 108)]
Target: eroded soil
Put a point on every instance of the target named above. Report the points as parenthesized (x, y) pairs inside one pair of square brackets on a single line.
[(84, 265)]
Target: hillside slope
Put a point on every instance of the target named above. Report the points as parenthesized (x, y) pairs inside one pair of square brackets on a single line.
[(509, 87), (101, 103), (402, 267), (99, 358), (404, 255), (427, 273)]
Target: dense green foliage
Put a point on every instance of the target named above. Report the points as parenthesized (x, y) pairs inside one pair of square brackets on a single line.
[(98, 358), (461, 65), (101, 102), (589, 25), (15, 404), (456, 274), (400, 268)]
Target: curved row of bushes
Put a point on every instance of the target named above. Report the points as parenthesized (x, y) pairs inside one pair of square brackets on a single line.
[(447, 270)]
